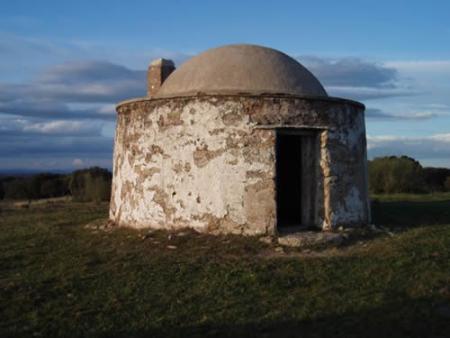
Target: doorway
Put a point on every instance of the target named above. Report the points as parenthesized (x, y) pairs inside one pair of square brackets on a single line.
[(295, 179)]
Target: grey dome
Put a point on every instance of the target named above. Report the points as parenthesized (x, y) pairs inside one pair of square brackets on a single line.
[(241, 69)]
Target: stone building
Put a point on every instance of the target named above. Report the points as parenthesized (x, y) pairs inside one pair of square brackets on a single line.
[(240, 139)]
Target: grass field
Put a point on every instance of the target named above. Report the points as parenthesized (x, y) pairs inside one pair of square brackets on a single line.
[(60, 278)]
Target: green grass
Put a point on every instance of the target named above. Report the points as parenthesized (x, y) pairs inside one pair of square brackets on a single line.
[(58, 278), (434, 197), (409, 210)]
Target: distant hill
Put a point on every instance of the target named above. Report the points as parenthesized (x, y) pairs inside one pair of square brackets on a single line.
[(30, 172)]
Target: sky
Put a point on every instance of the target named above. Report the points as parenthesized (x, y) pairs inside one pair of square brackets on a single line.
[(65, 64)]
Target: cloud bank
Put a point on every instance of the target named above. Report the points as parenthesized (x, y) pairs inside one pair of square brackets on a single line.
[(64, 115), (426, 149), (63, 111), (356, 78)]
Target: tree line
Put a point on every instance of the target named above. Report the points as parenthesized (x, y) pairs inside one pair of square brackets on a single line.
[(393, 174), (92, 184), (387, 175)]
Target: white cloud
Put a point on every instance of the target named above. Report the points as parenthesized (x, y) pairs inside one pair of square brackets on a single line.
[(444, 137), (107, 109), (353, 72), (376, 113), (59, 127), (50, 94), (77, 162), (21, 127), (437, 66), (368, 93), (359, 79), (437, 106), (426, 149), (441, 137)]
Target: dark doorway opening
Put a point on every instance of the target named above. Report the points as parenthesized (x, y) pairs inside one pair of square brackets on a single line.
[(288, 179), (296, 166)]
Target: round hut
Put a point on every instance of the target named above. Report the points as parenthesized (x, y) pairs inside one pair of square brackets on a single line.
[(240, 139)]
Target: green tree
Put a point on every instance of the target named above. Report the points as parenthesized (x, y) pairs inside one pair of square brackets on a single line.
[(93, 184), (54, 187), (447, 184), (18, 189), (435, 178), (396, 175)]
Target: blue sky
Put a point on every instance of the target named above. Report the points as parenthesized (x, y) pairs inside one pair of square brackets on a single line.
[(64, 64)]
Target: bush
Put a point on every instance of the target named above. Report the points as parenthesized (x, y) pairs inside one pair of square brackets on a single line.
[(447, 184), (35, 187), (396, 175), (48, 185), (18, 189), (93, 184), (54, 188), (435, 178)]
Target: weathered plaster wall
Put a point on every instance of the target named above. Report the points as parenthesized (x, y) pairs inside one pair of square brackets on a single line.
[(208, 162), (192, 163)]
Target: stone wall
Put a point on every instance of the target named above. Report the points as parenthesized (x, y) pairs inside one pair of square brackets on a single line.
[(208, 162)]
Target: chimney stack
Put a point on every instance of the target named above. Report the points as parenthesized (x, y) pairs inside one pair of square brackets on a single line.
[(158, 71)]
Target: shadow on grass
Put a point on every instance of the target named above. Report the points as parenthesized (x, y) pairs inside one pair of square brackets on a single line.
[(422, 320), (410, 213)]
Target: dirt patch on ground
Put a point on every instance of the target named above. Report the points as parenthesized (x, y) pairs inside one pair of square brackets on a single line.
[(187, 241)]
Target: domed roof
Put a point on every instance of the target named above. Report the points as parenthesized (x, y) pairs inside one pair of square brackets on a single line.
[(241, 69)]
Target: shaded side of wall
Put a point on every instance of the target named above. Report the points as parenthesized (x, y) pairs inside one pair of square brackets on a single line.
[(341, 173)]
